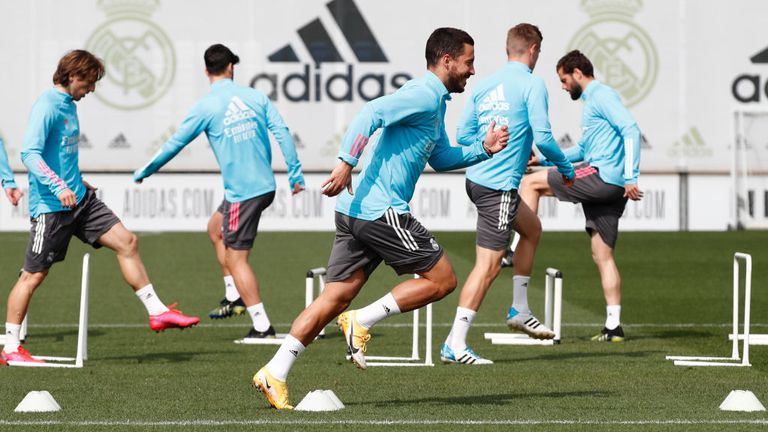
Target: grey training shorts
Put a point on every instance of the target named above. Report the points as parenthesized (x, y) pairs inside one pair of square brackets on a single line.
[(603, 203), (50, 233), (241, 220), (397, 239), (496, 212)]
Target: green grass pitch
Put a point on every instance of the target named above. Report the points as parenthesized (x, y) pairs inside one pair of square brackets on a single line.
[(677, 300)]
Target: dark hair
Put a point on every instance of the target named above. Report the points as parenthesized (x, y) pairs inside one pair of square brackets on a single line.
[(79, 63), (218, 57), (521, 37), (575, 60), (446, 40)]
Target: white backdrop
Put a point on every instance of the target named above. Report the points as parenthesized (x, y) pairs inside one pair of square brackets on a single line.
[(676, 63), (681, 66)]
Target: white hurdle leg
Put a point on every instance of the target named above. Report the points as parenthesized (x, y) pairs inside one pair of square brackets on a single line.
[(309, 294), (732, 360), (82, 332)]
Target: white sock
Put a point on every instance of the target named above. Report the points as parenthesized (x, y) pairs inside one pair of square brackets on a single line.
[(230, 290), (377, 311), (151, 301), (520, 293), (457, 339), (12, 332), (259, 317), (284, 358), (613, 316)]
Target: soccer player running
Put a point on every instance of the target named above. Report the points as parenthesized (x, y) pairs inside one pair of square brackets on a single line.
[(12, 192), (610, 151), (516, 98), (236, 120), (374, 224), (62, 205)]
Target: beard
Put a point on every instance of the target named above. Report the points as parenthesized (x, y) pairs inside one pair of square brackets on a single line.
[(576, 91), (457, 82)]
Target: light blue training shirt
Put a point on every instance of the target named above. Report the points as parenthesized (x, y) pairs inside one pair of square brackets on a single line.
[(413, 133), (6, 173), (50, 152), (236, 120), (610, 138), (516, 98)]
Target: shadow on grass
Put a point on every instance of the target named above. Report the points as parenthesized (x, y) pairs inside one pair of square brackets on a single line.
[(581, 355), (491, 399), (159, 357), (59, 336)]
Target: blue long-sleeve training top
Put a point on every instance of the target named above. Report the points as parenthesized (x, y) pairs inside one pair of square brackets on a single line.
[(516, 98), (6, 173), (610, 138), (236, 120), (50, 152), (413, 133)]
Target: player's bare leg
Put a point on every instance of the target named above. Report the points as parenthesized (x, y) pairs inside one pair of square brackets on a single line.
[(126, 247), (610, 280), (534, 186), (231, 304)]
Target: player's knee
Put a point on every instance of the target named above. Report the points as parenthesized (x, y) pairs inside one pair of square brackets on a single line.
[(132, 243), (30, 281), (445, 285)]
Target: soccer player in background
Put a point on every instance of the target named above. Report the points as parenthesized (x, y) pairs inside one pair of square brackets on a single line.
[(516, 98), (373, 220), (62, 205), (232, 303), (12, 192), (610, 151), (236, 120)]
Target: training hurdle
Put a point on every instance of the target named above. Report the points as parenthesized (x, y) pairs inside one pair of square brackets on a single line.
[(553, 311), (82, 333), (414, 360), (734, 360), (309, 295)]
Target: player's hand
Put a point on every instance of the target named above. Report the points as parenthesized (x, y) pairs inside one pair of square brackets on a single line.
[(633, 192), (297, 188), (568, 182), (495, 139), (341, 177), (14, 195), (68, 199), (89, 186)]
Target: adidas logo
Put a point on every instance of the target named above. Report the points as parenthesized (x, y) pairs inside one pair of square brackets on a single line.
[(465, 319), (317, 47), (236, 111), (495, 101), (690, 145), (386, 309), (751, 86), (294, 352), (119, 142)]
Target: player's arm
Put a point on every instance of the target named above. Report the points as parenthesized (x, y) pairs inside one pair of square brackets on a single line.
[(466, 131), (444, 157), (538, 117), (619, 116), (40, 123), (280, 131), (192, 126), (403, 106), (12, 192)]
